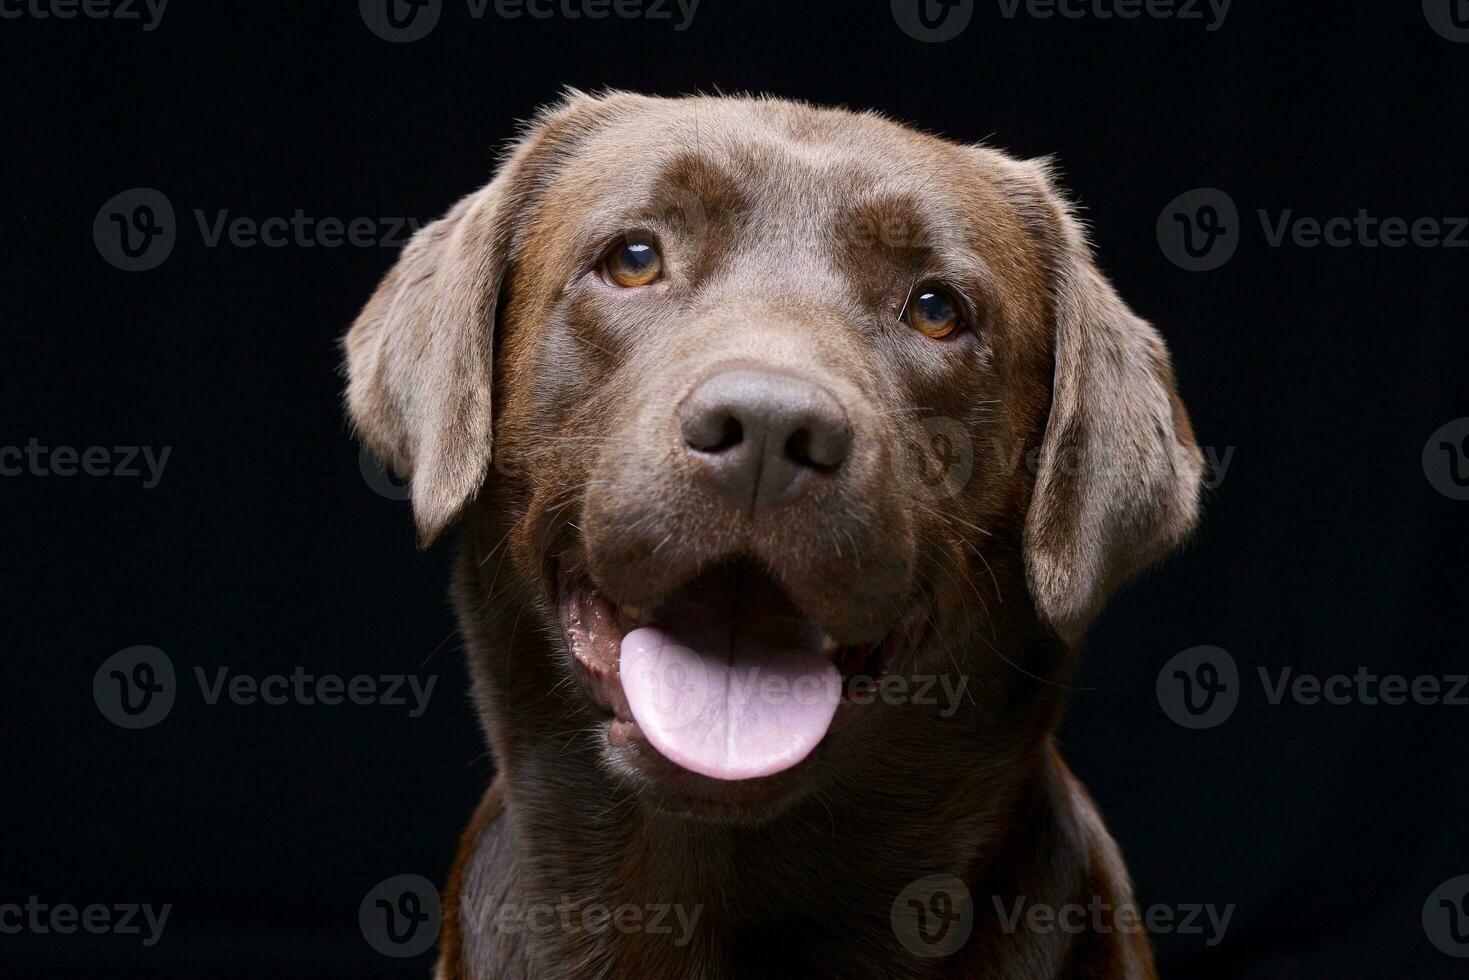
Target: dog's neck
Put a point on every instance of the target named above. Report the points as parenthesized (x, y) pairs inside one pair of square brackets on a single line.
[(611, 887), (582, 875)]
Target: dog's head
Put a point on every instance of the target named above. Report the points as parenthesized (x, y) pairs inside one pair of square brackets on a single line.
[(782, 396)]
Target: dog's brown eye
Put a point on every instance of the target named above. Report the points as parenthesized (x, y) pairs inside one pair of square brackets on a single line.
[(933, 312), (634, 263)]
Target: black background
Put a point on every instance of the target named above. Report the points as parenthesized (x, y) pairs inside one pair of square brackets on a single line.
[(263, 548)]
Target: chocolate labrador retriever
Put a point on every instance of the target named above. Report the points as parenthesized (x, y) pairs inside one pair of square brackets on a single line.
[(818, 444)]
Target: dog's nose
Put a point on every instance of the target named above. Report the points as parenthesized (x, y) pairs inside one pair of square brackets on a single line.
[(762, 435)]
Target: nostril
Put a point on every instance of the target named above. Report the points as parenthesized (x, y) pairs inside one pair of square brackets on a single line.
[(822, 446), (798, 450), (712, 431), (731, 434)]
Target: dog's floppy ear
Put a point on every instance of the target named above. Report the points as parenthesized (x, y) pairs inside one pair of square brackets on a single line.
[(419, 360), (1118, 481)]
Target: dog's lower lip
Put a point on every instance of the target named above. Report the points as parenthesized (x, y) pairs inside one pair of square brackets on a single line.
[(621, 731)]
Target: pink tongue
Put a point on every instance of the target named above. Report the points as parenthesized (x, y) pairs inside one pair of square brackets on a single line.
[(728, 710)]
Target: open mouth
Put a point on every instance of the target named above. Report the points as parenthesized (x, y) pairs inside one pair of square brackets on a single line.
[(724, 677)]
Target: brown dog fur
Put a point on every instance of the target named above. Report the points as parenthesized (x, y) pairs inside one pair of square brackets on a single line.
[(791, 235)]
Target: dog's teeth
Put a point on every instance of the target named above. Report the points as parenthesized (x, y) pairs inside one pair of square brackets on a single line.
[(632, 611), (829, 643)]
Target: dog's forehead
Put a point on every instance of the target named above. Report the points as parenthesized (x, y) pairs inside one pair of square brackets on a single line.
[(783, 160), (768, 186)]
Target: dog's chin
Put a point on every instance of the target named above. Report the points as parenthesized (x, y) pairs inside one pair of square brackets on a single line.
[(670, 789), (720, 700)]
